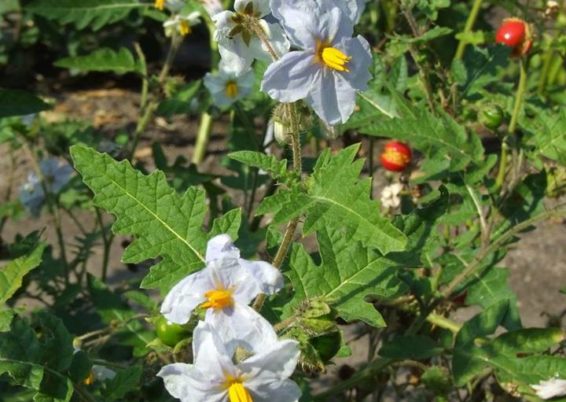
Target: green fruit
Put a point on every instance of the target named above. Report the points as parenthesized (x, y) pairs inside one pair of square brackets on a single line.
[(327, 345), (491, 116), (169, 333)]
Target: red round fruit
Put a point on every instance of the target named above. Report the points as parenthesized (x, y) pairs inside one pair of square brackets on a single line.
[(516, 34), (396, 156)]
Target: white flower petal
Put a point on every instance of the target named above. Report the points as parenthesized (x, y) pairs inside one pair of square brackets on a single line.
[(185, 296), (274, 390), (277, 362), (333, 99), (550, 388), (268, 277), (352, 8), (292, 77), (211, 356), (306, 21), (227, 273), (359, 50), (187, 383), (221, 246), (261, 7), (242, 326)]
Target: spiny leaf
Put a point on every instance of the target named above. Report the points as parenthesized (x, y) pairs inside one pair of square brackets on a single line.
[(11, 275), (348, 274), (85, 13), (14, 102), (119, 62), (336, 196), (166, 225)]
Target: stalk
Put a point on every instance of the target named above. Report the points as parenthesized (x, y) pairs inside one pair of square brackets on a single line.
[(470, 22)]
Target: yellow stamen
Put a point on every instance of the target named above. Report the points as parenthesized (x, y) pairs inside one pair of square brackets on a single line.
[(90, 379), (236, 390), (160, 4), (231, 89), (334, 58), (218, 299), (396, 157), (184, 28)]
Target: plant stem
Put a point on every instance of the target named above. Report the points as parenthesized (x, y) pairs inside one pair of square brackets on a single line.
[(443, 322), (203, 136), (519, 96), (495, 245), (362, 375), (470, 22), (107, 245)]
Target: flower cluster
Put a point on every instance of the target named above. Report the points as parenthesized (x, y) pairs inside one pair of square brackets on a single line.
[(223, 290), (327, 67)]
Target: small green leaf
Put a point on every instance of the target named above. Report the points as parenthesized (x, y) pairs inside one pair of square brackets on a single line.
[(126, 380), (269, 163), (85, 13), (11, 275), (119, 62), (14, 102)]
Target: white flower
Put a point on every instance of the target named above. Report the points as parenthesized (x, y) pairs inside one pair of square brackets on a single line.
[(226, 87), (332, 65), (224, 289), (181, 23), (237, 44), (390, 195), (56, 174), (172, 5), (263, 377), (550, 388), (212, 7)]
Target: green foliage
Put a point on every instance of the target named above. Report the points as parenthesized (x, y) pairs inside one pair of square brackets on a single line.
[(347, 276), (547, 132), (40, 359), (336, 196), (14, 102), (119, 62), (165, 224), (12, 274), (93, 14), (276, 168)]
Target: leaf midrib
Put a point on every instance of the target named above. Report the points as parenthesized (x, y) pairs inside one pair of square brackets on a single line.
[(169, 228)]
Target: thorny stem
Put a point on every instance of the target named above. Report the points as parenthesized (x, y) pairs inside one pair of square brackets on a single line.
[(476, 264), (258, 30), (472, 17), (519, 96), (107, 244), (292, 226)]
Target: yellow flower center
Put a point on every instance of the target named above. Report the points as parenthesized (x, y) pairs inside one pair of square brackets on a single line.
[(218, 299), (332, 57), (90, 379), (184, 28), (236, 390), (231, 89), (160, 4), (396, 157)]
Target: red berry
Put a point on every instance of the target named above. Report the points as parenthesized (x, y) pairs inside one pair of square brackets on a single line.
[(516, 34), (396, 156)]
